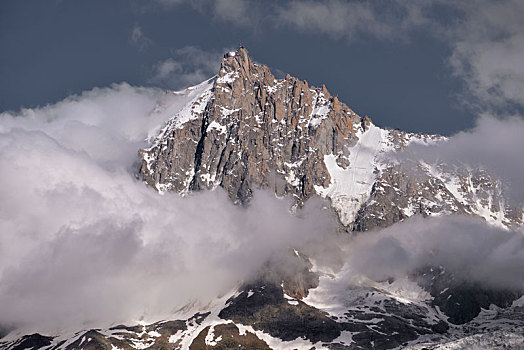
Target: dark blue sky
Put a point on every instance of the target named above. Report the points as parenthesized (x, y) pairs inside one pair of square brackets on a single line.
[(51, 49)]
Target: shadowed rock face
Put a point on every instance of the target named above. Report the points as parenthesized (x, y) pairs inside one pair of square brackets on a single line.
[(371, 319), (264, 307), (385, 324), (460, 300), (33, 341)]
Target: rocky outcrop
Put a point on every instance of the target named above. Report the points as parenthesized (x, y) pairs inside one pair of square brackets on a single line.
[(33, 341)]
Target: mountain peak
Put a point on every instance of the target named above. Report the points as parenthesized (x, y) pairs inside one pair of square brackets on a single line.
[(236, 61), (245, 129)]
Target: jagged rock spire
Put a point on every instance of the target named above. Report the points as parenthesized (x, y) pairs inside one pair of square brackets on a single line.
[(236, 61), (254, 128)]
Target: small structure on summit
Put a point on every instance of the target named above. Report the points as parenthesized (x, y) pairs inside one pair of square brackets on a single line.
[(233, 53)]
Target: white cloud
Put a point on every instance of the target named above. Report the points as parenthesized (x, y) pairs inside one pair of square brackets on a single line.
[(494, 145), (467, 247), (84, 243), (488, 51)]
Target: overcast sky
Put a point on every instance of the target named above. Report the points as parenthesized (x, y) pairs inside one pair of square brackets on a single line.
[(427, 66)]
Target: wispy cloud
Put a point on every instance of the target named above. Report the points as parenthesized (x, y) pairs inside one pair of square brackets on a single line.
[(188, 66), (493, 145), (139, 39), (351, 19), (237, 11)]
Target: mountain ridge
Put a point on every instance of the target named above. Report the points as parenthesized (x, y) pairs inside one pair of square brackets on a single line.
[(247, 129)]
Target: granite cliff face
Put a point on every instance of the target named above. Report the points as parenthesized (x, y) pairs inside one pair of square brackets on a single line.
[(244, 129)]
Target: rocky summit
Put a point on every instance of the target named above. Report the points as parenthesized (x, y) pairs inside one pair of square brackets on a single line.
[(243, 130)]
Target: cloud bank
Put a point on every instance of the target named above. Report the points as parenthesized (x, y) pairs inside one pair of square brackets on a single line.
[(494, 144), (467, 247), (84, 243)]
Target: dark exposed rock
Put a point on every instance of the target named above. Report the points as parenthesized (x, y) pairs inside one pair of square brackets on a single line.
[(126, 328), (199, 317), (266, 309), (33, 341), (462, 300), (93, 340)]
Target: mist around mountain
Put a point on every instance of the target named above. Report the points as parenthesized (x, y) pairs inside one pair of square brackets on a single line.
[(264, 232)]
